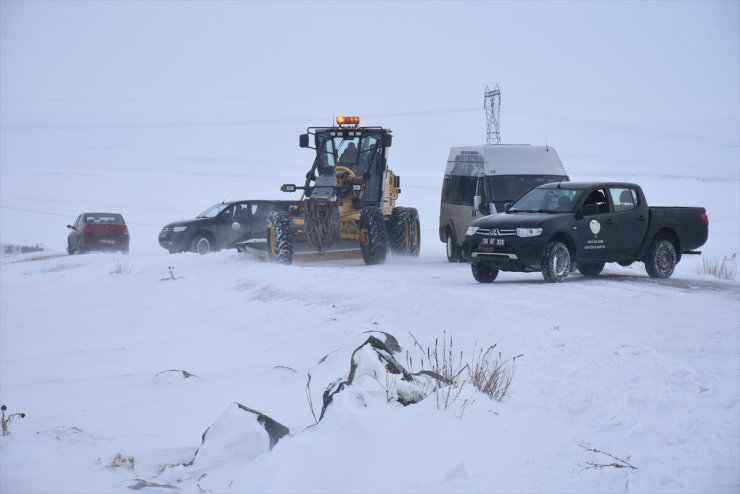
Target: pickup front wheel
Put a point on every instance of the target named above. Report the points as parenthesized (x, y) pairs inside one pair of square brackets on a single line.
[(556, 263), (661, 259)]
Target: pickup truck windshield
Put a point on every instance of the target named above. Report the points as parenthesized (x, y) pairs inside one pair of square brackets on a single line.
[(547, 201)]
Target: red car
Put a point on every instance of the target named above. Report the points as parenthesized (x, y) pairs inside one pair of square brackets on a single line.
[(98, 231)]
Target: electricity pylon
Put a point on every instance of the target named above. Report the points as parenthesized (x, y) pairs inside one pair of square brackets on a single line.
[(492, 104)]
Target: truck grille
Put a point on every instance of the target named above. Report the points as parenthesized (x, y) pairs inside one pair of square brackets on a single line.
[(496, 232)]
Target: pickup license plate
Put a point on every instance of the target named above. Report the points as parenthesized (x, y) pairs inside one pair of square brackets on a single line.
[(491, 244), (107, 241)]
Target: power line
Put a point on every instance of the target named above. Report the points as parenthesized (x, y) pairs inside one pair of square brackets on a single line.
[(622, 104), (252, 96), (617, 127), (51, 213), (522, 112), (233, 123), (233, 98)]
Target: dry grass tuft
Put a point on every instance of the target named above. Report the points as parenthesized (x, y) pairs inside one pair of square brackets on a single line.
[(6, 420), (617, 463), (121, 268), (491, 374), (119, 461), (488, 372), (726, 269)]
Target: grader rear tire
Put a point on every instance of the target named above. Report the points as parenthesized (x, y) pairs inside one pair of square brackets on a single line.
[(404, 233), (397, 230), (414, 243)]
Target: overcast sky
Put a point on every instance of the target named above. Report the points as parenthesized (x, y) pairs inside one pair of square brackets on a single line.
[(584, 75)]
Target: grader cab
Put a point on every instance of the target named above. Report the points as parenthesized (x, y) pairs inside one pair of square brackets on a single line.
[(348, 208)]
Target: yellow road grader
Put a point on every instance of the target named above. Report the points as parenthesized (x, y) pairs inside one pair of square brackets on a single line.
[(348, 208)]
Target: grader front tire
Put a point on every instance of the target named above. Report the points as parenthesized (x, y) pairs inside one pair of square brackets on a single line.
[(279, 237), (374, 242)]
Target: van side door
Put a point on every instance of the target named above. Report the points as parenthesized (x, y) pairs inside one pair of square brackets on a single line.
[(458, 194)]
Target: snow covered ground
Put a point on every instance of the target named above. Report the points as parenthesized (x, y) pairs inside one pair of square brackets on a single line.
[(620, 383), (93, 349)]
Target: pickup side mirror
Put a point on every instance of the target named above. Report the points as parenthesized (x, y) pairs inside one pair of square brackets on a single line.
[(303, 140), (71, 227), (508, 205), (589, 209), (387, 140), (288, 187)]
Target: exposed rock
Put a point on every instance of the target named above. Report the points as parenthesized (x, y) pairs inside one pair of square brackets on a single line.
[(372, 358), (274, 429), (241, 432), (385, 355), (138, 484), (391, 343), (375, 374)]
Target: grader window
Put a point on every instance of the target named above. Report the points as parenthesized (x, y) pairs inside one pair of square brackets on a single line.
[(360, 151)]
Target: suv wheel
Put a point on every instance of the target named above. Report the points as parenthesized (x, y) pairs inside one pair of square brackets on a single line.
[(201, 245)]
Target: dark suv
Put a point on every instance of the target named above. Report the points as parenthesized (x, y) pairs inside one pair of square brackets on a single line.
[(221, 226)]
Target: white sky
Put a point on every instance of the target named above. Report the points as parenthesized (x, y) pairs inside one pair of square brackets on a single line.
[(683, 55), (617, 85)]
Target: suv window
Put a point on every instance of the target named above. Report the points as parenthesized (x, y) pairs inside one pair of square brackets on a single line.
[(261, 210), (213, 211)]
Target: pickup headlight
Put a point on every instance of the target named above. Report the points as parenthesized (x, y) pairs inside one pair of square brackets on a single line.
[(179, 229), (471, 230), (528, 232)]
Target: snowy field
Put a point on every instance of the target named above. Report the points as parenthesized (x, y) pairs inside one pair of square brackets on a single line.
[(92, 350)]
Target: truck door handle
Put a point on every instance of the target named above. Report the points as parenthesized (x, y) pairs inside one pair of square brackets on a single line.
[(641, 218), (610, 221)]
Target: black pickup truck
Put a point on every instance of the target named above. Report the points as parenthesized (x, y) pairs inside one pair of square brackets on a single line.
[(558, 227)]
